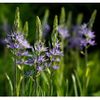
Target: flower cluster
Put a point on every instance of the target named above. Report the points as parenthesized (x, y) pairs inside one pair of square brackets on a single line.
[(38, 56), (16, 41), (55, 55), (79, 36)]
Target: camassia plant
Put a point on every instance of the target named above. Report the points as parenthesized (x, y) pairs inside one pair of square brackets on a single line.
[(50, 67)]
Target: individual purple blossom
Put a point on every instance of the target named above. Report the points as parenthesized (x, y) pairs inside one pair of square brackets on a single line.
[(39, 68), (41, 59), (21, 40), (91, 42), (55, 67), (48, 54), (29, 61), (56, 52), (63, 31), (39, 46), (23, 53), (57, 44), (55, 59)]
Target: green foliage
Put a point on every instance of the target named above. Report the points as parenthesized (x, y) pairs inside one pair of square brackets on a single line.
[(10, 84)]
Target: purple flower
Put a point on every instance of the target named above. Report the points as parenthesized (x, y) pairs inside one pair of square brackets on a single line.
[(16, 41), (48, 54), (91, 42), (63, 31), (57, 44), (83, 43), (40, 59), (55, 67), (55, 59), (29, 62), (40, 47), (21, 40), (81, 37), (88, 36), (23, 53), (56, 52), (39, 68)]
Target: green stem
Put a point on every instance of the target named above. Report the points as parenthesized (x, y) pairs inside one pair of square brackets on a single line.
[(86, 57), (51, 83), (15, 74), (35, 84), (84, 78), (23, 82)]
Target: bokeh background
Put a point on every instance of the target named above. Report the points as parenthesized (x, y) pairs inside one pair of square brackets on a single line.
[(28, 12)]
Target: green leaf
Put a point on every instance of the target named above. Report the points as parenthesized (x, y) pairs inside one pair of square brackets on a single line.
[(25, 29), (17, 21), (75, 85), (38, 29), (62, 16), (10, 83), (92, 19), (78, 81), (19, 85), (79, 19)]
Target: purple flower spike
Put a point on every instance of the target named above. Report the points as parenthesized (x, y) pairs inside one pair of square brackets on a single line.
[(88, 36), (82, 37)]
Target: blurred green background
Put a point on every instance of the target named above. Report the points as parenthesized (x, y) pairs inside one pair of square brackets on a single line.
[(28, 12)]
